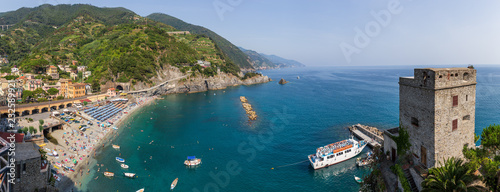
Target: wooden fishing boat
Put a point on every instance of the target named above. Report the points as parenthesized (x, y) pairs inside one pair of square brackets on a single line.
[(120, 160), (116, 147), (109, 174), (124, 166), (131, 175), (174, 183)]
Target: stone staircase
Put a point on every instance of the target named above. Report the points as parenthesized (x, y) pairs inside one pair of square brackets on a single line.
[(410, 180)]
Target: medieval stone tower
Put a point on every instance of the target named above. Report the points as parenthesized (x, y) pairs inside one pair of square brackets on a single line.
[(437, 107)]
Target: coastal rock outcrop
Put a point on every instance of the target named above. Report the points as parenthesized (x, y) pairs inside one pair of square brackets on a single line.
[(200, 83), (283, 81)]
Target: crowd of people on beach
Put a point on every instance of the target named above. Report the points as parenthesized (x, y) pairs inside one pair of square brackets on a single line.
[(76, 147)]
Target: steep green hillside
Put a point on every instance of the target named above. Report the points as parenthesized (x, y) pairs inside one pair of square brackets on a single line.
[(257, 60), (114, 43), (231, 51)]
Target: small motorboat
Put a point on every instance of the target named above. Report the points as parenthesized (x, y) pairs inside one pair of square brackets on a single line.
[(192, 161), (131, 175), (298, 77), (365, 161), (109, 174), (124, 166), (359, 180), (115, 128), (120, 160), (174, 183), (140, 190), (116, 147)]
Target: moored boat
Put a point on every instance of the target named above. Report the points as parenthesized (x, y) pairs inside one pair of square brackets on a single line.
[(359, 180), (364, 161), (336, 152), (192, 161), (140, 190), (116, 147), (124, 166), (120, 159), (174, 183), (131, 175), (109, 174)]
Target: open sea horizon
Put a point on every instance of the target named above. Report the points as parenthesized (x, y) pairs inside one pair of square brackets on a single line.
[(269, 154)]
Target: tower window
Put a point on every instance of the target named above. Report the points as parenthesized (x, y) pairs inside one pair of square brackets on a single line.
[(414, 121), (466, 97), (467, 117), (455, 100), (454, 125)]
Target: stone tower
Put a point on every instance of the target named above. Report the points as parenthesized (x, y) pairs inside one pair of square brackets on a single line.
[(437, 107)]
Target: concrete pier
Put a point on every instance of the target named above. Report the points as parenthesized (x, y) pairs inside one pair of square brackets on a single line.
[(372, 135)]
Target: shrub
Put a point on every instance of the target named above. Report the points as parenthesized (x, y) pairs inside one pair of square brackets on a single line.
[(401, 175)]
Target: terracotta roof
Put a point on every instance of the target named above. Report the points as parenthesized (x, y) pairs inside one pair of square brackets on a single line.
[(18, 136), (52, 66), (112, 89)]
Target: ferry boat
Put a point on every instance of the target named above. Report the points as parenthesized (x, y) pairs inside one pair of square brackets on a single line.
[(336, 152)]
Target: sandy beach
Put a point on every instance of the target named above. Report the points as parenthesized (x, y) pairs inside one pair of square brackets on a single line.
[(77, 146)]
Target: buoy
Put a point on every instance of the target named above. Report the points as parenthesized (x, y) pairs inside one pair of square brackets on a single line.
[(272, 168)]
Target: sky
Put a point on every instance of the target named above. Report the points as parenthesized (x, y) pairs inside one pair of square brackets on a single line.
[(337, 32)]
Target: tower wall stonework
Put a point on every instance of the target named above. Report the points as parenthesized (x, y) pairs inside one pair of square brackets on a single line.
[(427, 110)]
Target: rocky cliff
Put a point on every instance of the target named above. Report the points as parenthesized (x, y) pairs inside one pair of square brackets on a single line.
[(198, 83)]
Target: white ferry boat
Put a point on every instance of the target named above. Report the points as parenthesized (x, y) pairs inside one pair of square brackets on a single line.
[(336, 152)]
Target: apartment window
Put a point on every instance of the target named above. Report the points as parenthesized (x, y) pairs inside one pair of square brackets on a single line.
[(414, 121), (455, 100), (454, 125), (467, 117)]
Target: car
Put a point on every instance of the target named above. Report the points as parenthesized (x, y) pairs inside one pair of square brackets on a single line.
[(70, 122), (62, 114), (83, 129), (80, 118), (81, 126), (72, 119), (76, 121)]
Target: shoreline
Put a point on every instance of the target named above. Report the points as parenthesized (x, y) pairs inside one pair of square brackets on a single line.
[(71, 183)]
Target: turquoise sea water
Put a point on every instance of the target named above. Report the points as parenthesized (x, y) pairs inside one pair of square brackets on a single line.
[(294, 119)]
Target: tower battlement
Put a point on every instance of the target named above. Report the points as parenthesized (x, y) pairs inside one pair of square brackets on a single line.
[(440, 78)]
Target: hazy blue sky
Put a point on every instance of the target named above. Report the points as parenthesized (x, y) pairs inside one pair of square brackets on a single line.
[(343, 32)]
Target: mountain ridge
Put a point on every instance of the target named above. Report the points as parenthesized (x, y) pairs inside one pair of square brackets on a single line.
[(264, 61)]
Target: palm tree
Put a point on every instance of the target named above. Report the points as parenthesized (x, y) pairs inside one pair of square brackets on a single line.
[(452, 177)]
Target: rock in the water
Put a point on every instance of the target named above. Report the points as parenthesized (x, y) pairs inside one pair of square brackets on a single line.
[(283, 81)]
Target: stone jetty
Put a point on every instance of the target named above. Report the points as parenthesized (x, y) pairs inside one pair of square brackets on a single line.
[(248, 108)]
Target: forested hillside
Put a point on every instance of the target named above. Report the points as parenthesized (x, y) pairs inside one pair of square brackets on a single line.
[(114, 43), (231, 51)]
